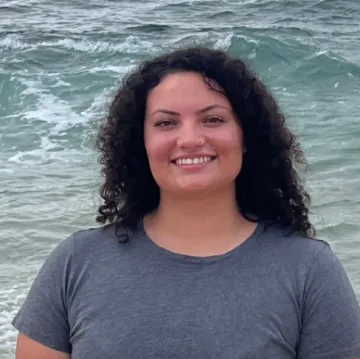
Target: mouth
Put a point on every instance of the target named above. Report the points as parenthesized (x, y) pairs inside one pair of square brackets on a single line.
[(190, 161)]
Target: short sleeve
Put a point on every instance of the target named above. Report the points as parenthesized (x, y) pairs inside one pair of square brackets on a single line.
[(43, 315), (331, 314)]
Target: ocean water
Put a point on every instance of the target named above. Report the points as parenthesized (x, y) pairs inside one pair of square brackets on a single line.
[(61, 61)]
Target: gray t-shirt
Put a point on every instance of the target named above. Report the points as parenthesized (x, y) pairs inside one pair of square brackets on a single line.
[(274, 296)]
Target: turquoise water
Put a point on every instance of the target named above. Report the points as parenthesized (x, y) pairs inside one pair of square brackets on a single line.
[(60, 62)]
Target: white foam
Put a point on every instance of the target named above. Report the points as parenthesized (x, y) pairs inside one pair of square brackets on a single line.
[(98, 105), (10, 300), (15, 3), (120, 69), (48, 108), (246, 2), (131, 45), (13, 42), (36, 156), (44, 155), (62, 117), (224, 43), (51, 109), (252, 55)]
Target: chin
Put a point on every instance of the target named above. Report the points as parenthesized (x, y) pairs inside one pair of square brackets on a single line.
[(195, 188)]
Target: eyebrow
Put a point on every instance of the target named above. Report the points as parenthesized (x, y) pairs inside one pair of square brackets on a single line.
[(205, 109)]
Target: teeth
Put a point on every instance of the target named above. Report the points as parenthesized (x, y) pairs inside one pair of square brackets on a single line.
[(193, 161)]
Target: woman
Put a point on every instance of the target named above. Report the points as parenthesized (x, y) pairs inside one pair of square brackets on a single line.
[(206, 249)]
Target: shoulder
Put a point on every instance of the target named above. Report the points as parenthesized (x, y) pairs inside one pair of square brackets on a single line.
[(92, 236), (88, 242), (309, 263), (84, 251), (296, 247), (306, 258)]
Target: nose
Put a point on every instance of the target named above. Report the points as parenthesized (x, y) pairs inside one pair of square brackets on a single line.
[(190, 136)]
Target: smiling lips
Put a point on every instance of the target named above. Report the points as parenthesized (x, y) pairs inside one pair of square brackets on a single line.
[(193, 160)]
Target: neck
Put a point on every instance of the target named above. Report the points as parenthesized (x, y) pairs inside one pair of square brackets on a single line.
[(207, 218)]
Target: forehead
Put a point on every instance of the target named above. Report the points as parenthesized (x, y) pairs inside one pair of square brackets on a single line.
[(185, 89)]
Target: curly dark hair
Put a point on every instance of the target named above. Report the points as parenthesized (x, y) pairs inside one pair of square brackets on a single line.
[(269, 186)]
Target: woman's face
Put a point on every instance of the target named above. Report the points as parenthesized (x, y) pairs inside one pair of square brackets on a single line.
[(193, 140)]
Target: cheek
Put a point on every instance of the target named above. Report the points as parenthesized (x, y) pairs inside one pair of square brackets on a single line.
[(231, 141), (158, 149)]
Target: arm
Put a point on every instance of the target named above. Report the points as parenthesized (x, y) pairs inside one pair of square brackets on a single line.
[(42, 320), (330, 312), (27, 348)]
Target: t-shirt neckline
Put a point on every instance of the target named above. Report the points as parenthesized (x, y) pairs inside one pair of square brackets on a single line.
[(155, 248)]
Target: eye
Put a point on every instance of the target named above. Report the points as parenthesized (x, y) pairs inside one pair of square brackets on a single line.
[(164, 123), (213, 120)]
